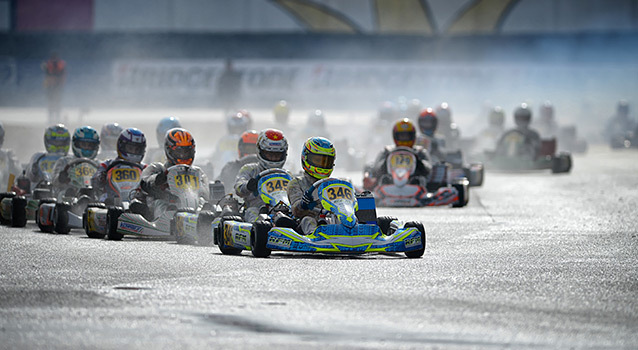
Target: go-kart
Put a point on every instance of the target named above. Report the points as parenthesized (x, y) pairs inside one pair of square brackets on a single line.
[(340, 230), (177, 216), (65, 213), (123, 178), (400, 188), (514, 154), (473, 172), (21, 204), (232, 235)]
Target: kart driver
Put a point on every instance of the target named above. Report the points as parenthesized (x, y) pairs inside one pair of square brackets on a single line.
[(522, 119), (85, 143), (427, 125), (272, 149), (404, 135), (9, 164), (56, 143), (247, 148), (179, 147), (131, 145), (317, 161)]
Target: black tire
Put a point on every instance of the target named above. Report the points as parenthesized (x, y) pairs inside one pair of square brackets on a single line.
[(204, 228), (3, 220), (464, 195), (19, 212), (415, 254), (384, 223), (42, 227), (85, 224), (220, 239), (562, 163), (61, 217), (111, 224), (259, 239)]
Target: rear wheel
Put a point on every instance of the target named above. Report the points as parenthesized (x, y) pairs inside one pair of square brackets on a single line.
[(3, 220), (111, 224), (259, 239), (419, 252), (41, 225), (19, 212), (205, 228), (562, 163), (85, 224), (464, 193), (61, 218)]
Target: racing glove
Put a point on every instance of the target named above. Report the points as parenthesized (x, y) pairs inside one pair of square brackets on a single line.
[(252, 185), (307, 202), (160, 179)]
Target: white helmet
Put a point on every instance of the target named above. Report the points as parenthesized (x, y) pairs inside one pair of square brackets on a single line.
[(272, 148)]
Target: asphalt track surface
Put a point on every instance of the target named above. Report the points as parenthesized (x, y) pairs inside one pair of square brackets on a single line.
[(535, 261)]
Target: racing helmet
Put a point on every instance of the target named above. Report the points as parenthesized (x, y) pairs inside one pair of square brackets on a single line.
[(547, 112), (179, 146), (622, 109), (1, 134), (57, 139), (109, 135), (247, 143), (272, 148), (318, 157), (131, 145), (248, 116), (316, 119), (523, 116), (281, 112), (85, 142), (237, 123), (497, 117), (404, 133), (165, 125), (387, 112), (428, 122)]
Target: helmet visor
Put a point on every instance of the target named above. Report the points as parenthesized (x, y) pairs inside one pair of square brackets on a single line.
[(404, 136), (183, 152), (132, 148), (321, 160), (273, 156), (58, 141), (87, 145)]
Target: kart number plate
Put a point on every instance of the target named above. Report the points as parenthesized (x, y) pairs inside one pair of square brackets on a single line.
[(187, 181), (46, 166), (125, 175), (337, 191), (275, 184), (84, 170), (402, 160)]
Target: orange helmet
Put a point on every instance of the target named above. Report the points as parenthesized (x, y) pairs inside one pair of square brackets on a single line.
[(179, 146), (404, 133), (247, 143)]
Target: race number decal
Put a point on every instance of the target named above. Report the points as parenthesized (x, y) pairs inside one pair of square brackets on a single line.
[(46, 165), (333, 193), (125, 175), (83, 170), (275, 184), (187, 181), (401, 160)]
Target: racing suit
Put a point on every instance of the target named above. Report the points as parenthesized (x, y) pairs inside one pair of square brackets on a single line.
[(532, 144), (433, 146), (423, 165), (231, 169), (9, 165), (296, 189), (100, 182), (251, 198)]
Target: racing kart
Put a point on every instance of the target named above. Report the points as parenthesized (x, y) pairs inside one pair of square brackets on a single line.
[(232, 235), (65, 213), (176, 217), (624, 140), (21, 204), (473, 172), (341, 230), (123, 178), (513, 154), (400, 188)]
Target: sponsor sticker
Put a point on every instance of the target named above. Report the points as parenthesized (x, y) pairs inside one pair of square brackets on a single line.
[(130, 227)]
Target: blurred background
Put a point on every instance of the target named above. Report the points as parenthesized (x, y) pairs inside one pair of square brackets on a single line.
[(146, 59)]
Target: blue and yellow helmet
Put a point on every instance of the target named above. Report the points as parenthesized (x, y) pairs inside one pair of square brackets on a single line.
[(318, 157), (85, 142), (57, 139)]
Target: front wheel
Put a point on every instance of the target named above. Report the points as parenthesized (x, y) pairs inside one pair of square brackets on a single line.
[(112, 216), (220, 236), (43, 227), (464, 193), (259, 239), (419, 252), (19, 212), (61, 218), (85, 224)]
